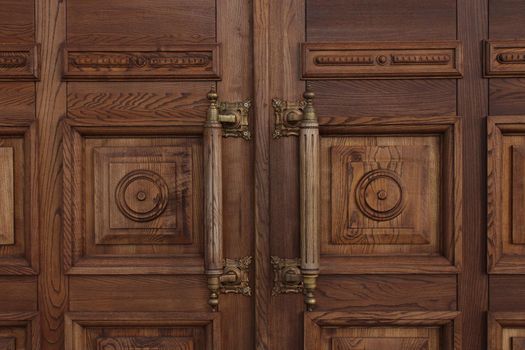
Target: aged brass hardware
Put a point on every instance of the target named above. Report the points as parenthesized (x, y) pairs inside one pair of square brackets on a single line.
[(234, 279), (309, 170), (232, 115), (300, 119), (287, 276), (288, 115)]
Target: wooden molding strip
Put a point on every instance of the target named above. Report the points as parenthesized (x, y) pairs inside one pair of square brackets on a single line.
[(192, 62), (360, 60), (504, 58), (18, 63)]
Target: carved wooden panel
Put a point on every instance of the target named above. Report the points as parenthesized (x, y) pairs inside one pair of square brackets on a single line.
[(7, 197), (18, 63), (382, 331), (506, 331), (142, 331), (357, 60), (18, 199), (19, 331), (133, 198), (506, 194), (197, 61), (505, 58), (391, 200)]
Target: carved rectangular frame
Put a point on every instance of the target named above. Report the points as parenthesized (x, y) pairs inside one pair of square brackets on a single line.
[(75, 323), (504, 58), (498, 261), (28, 320), (449, 128), (382, 60), (142, 57), (73, 250), (29, 263), (497, 321), (314, 321), (19, 63)]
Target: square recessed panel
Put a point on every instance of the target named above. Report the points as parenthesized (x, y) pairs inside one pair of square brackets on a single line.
[(133, 204), (144, 194), (390, 196), (381, 193), (384, 194)]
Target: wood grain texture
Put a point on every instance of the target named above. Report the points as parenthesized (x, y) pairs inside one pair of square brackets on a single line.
[(380, 20), (381, 60), (18, 63), (504, 17), (17, 22), (384, 98), (17, 101), (505, 330), (286, 26), (442, 330), (353, 146), (83, 254), (507, 96), (137, 103), (138, 293), (504, 58), (472, 28), (262, 96), (125, 23), (18, 293), (506, 293), (384, 292), (51, 107), (505, 189), (7, 196), (193, 62), (20, 256), (23, 327), (213, 212), (235, 33), (163, 331)]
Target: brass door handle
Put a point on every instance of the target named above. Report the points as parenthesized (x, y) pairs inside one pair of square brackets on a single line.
[(299, 119), (228, 119)]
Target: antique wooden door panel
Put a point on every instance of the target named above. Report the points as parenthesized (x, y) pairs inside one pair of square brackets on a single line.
[(117, 95), (19, 251), (505, 70), (375, 178), (136, 173), (397, 86)]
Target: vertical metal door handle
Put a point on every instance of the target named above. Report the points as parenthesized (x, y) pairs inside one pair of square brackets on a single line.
[(310, 197), (224, 275)]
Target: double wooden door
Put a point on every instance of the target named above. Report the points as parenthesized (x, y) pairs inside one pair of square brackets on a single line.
[(262, 174)]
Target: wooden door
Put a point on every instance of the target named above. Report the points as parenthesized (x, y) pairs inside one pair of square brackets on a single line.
[(262, 174), (401, 100), (112, 208)]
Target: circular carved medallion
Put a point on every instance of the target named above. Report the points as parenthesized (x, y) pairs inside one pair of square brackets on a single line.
[(142, 195), (379, 195)]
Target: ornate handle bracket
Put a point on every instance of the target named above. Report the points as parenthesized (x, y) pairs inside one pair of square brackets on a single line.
[(233, 116), (299, 118), (226, 276)]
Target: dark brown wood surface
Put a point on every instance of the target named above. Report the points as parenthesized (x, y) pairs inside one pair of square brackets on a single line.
[(102, 157)]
